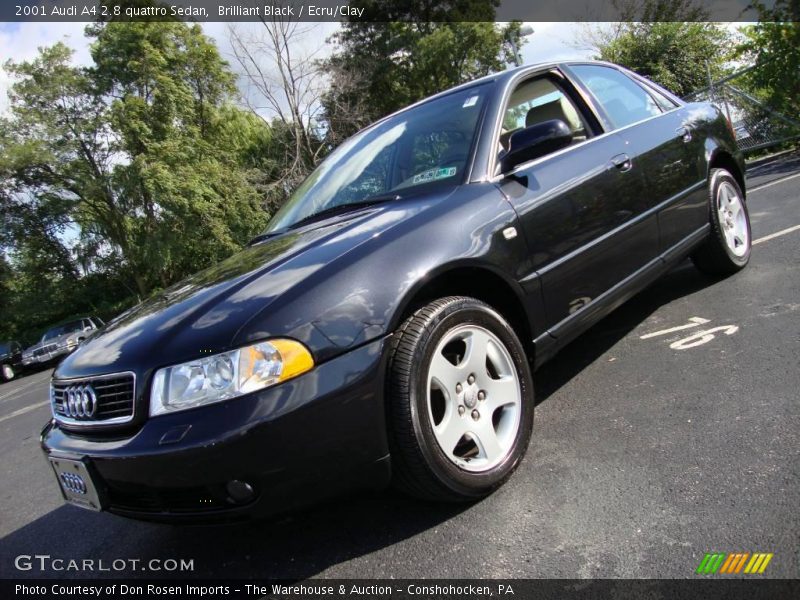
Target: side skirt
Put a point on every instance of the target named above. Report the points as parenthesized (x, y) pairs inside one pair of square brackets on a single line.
[(551, 341)]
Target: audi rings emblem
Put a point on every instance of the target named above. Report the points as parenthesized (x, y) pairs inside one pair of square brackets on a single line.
[(73, 483), (80, 402)]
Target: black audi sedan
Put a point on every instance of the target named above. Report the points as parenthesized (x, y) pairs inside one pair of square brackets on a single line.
[(384, 328)]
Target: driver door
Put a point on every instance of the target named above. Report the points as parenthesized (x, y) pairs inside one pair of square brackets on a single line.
[(581, 208)]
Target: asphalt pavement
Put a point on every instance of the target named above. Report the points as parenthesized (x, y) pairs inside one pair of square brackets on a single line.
[(670, 429)]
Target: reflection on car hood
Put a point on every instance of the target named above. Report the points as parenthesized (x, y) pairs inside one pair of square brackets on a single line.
[(204, 313)]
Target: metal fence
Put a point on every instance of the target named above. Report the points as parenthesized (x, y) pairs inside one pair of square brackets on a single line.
[(756, 125)]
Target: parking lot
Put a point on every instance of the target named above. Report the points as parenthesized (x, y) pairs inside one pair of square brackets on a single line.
[(669, 430)]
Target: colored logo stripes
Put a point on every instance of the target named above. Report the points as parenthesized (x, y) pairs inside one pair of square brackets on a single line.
[(734, 562)]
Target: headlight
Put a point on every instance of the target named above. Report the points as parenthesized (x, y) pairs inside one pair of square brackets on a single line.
[(223, 376)]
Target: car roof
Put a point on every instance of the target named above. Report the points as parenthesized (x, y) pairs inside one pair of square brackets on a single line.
[(499, 77)]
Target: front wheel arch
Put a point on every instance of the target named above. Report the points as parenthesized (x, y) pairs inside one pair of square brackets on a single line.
[(477, 282)]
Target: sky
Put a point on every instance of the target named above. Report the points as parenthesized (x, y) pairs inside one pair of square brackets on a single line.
[(20, 41)]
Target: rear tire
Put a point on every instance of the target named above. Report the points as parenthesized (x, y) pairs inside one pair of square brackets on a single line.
[(727, 249), (460, 401), (7, 372)]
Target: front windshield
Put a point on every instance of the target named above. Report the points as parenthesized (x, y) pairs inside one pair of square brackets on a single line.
[(422, 148), (62, 329)]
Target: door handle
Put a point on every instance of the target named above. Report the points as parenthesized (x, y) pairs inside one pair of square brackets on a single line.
[(684, 133), (622, 162)]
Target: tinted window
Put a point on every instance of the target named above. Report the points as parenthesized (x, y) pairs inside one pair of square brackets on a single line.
[(664, 102), (535, 101), (624, 100), (62, 329), (420, 148)]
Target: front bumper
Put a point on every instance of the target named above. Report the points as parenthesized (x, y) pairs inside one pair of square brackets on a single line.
[(312, 437)]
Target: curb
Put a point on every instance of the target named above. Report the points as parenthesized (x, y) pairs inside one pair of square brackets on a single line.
[(763, 159)]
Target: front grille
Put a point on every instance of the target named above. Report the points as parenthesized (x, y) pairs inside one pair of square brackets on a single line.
[(45, 350), (139, 498), (108, 399)]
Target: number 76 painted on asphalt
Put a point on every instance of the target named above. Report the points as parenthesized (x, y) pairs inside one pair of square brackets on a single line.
[(698, 338)]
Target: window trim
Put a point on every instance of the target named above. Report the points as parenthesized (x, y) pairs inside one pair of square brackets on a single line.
[(653, 86), (638, 80), (594, 126), (609, 124)]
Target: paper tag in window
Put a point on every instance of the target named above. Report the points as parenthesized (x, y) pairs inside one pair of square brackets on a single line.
[(434, 174), (471, 101)]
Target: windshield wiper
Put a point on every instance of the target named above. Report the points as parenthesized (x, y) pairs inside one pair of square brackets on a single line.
[(344, 208), (264, 236)]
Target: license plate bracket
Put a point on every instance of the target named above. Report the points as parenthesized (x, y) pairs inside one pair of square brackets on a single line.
[(77, 484)]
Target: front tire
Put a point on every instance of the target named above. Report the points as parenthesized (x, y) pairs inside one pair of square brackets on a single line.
[(727, 249), (7, 372), (460, 397)]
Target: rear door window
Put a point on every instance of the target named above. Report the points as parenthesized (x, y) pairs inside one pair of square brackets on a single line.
[(622, 99)]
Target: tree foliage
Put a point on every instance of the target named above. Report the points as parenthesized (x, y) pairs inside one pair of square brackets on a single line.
[(285, 85), (380, 67), (677, 55), (128, 169), (773, 47), (120, 178)]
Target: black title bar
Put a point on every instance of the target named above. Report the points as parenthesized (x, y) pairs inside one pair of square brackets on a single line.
[(343, 10), (400, 589)]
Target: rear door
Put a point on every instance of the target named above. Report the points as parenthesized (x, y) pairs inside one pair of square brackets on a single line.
[(661, 136), (582, 208)]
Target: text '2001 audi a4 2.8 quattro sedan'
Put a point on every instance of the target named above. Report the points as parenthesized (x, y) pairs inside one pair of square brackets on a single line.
[(385, 325)]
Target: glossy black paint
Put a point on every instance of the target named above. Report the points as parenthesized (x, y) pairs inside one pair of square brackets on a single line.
[(11, 355), (535, 141), (592, 223)]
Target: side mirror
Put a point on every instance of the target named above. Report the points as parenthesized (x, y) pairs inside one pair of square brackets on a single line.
[(535, 141)]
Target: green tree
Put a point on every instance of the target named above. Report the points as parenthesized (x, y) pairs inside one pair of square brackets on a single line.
[(421, 48), (773, 47), (133, 153), (678, 55)]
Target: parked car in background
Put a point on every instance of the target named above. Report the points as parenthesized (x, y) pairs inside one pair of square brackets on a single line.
[(10, 360), (386, 324), (60, 340)]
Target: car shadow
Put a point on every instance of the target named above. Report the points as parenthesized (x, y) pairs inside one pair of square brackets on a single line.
[(295, 547), (303, 544), (682, 280)]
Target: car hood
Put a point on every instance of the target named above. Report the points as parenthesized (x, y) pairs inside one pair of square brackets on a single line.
[(204, 313)]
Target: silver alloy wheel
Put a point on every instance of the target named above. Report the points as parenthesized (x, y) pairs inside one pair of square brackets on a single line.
[(474, 398), (8, 372), (732, 219)]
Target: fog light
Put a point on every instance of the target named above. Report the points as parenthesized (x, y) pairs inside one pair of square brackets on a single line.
[(240, 491)]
